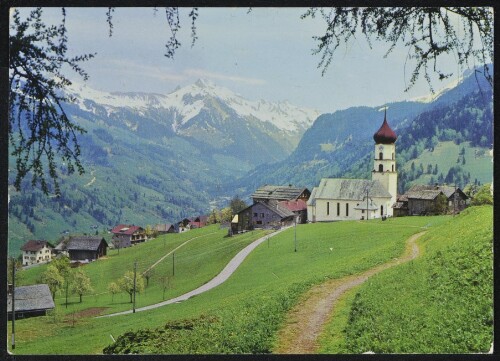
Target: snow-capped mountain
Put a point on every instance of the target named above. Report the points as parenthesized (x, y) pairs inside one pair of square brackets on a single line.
[(188, 102)]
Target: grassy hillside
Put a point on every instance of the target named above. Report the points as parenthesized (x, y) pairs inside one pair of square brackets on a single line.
[(475, 161), (442, 302), (203, 254), (240, 316)]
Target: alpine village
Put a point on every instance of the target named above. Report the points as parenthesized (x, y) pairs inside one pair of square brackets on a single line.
[(206, 223)]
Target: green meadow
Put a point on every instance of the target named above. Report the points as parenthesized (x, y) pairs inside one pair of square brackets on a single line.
[(442, 302), (241, 315)]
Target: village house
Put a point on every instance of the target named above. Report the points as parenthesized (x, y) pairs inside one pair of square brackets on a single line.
[(431, 199), (338, 199), (36, 252), (198, 222), (280, 193), (30, 301), (297, 207), (183, 226), (164, 228), (86, 248), (262, 215), (127, 235)]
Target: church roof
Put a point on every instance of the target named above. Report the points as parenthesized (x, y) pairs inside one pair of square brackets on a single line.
[(349, 189), (385, 135)]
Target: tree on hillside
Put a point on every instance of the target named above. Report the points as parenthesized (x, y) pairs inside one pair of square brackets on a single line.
[(226, 214), (482, 196), (147, 274), (237, 204), (81, 283), (113, 288), (62, 264), (126, 283), (165, 283), (214, 217), (53, 279), (39, 128)]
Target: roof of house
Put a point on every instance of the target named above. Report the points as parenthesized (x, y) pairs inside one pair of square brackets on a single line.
[(424, 191), (275, 206), (294, 206), (385, 135), (31, 298), (199, 219), (163, 227), (349, 189), (423, 194), (35, 245), (278, 192), (84, 243), (125, 229)]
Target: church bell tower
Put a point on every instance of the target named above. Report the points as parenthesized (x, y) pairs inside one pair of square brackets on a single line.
[(384, 165)]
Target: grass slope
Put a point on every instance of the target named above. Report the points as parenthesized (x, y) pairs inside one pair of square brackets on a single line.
[(243, 314), (440, 303), (204, 253), (478, 162)]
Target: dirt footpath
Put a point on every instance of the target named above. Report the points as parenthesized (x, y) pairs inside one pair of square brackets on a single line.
[(306, 320)]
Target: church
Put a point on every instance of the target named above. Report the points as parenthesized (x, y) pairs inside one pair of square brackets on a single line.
[(336, 199)]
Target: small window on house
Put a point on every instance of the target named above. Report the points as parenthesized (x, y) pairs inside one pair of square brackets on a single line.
[(262, 215), (347, 209), (380, 156), (380, 168), (255, 214), (338, 209)]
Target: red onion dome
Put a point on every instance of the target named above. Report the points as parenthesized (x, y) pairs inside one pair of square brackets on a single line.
[(385, 135)]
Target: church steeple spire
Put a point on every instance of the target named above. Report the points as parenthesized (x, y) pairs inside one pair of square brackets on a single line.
[(385, 135)]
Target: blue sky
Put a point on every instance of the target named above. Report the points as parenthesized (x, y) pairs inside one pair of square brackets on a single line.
[(264, 54)]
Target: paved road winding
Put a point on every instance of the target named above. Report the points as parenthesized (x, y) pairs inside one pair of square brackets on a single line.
[(214, 282)]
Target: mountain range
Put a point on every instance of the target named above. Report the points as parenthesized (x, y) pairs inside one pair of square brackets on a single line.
[(156, 158)]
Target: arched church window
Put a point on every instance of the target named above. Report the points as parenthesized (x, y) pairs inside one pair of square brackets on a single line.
[(393, 167), (380, 156), (392, 156), (380, 168)]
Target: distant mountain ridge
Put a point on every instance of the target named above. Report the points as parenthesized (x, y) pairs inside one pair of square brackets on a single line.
[(339, 144), (153, 158)]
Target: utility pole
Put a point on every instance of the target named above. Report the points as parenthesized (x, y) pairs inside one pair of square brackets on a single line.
[(66, 279), (13, 302), (295, 219), (455, 201), (135, 274), (367, 211)]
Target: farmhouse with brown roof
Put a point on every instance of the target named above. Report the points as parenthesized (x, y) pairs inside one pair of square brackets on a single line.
[(35, 251)]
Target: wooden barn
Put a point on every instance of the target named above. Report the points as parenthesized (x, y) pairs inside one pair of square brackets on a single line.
[(30, 301), (263, 215), (432, 199), (86, 248)]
